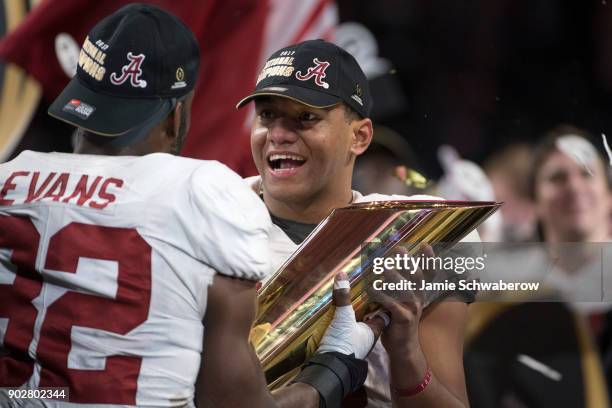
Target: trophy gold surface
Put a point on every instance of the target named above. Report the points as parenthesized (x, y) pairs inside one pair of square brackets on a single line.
[(294, 305)]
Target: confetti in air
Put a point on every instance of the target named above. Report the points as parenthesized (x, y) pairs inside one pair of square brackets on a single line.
[(607, 147)]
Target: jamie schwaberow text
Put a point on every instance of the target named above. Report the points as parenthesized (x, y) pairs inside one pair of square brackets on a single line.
[(461, 285)]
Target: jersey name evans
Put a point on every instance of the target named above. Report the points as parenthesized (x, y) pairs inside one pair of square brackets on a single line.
[(85, 190)]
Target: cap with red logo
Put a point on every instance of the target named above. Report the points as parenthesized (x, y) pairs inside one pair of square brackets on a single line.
[(133, 66), (316, 73)]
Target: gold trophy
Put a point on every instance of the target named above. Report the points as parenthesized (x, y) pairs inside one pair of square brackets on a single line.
[(294, 304)]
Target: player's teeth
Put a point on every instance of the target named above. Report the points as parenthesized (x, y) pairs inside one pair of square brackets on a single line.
[(285, 156)]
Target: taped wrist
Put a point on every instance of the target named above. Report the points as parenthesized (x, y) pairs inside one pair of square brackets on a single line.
[(346, 336), (334, 375)]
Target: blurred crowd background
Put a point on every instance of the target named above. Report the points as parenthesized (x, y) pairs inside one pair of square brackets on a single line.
[(505, 100)]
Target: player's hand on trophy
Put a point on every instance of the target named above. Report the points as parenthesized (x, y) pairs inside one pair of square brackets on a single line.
[(338, 367), (404, 307), (345, 335)]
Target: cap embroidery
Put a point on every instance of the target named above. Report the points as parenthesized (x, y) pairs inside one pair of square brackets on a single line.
[(357, 99), (280, 66), (180, 75), (274, 89), (358, 90), (318, 72), (132, 71), (92, 57), (358, 94)]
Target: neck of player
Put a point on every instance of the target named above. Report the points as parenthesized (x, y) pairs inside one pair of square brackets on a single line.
[(311, 210)]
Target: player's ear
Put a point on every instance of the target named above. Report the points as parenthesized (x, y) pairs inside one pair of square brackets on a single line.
[(173, 121), (362, 132)]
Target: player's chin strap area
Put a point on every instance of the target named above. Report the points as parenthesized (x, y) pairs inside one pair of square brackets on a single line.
[(338, 368)]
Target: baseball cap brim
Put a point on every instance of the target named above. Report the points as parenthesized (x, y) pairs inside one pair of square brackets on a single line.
[(112, 116), (306, 96)]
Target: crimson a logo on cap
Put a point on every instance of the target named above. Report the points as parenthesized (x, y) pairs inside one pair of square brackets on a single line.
[(317, 71), (131, 71)]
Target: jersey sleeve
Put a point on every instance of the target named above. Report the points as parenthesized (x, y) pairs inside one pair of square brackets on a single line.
[(233, 237)]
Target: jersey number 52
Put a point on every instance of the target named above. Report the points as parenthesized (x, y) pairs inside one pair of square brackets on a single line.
[(117, 382)]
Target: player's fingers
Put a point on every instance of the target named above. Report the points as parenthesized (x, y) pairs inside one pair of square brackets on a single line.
[(392, 275), (379, 319), (404, 295), (399, 249), (342, 289), (427, 250), (377, 325), (409, 305)]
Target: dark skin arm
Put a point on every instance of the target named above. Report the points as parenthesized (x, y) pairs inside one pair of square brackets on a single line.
[(440, 334), (417, 339), (230, 373)]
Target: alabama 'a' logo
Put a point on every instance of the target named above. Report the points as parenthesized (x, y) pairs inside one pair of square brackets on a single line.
[(132, 71), (318, 72)]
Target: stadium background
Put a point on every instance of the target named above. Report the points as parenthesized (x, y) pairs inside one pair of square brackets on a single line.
[(476, 74)]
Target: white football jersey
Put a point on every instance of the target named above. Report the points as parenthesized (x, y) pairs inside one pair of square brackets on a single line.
[(104, 268)]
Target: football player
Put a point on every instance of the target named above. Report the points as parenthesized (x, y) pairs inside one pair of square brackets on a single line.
[(127, 274), (312, 104)]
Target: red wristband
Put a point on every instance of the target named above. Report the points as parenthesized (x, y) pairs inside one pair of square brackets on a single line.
[(409, 392)]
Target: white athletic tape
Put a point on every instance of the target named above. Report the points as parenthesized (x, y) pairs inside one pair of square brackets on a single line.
[(342, 284), (363, 340), (382, 315), (345, 335)]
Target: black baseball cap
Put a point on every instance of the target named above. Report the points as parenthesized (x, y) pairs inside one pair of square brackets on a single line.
[(316, 73), (133, 67)]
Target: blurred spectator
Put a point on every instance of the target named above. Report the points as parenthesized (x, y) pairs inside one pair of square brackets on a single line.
[(559, 364), (376, 170), (570, 185), (572, 189), (465, 180), (508, 171), (609, 153)]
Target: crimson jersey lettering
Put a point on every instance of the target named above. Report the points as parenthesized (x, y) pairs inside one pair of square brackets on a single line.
[(10, 185), (82, 192), (34, 192), (62, 187)]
